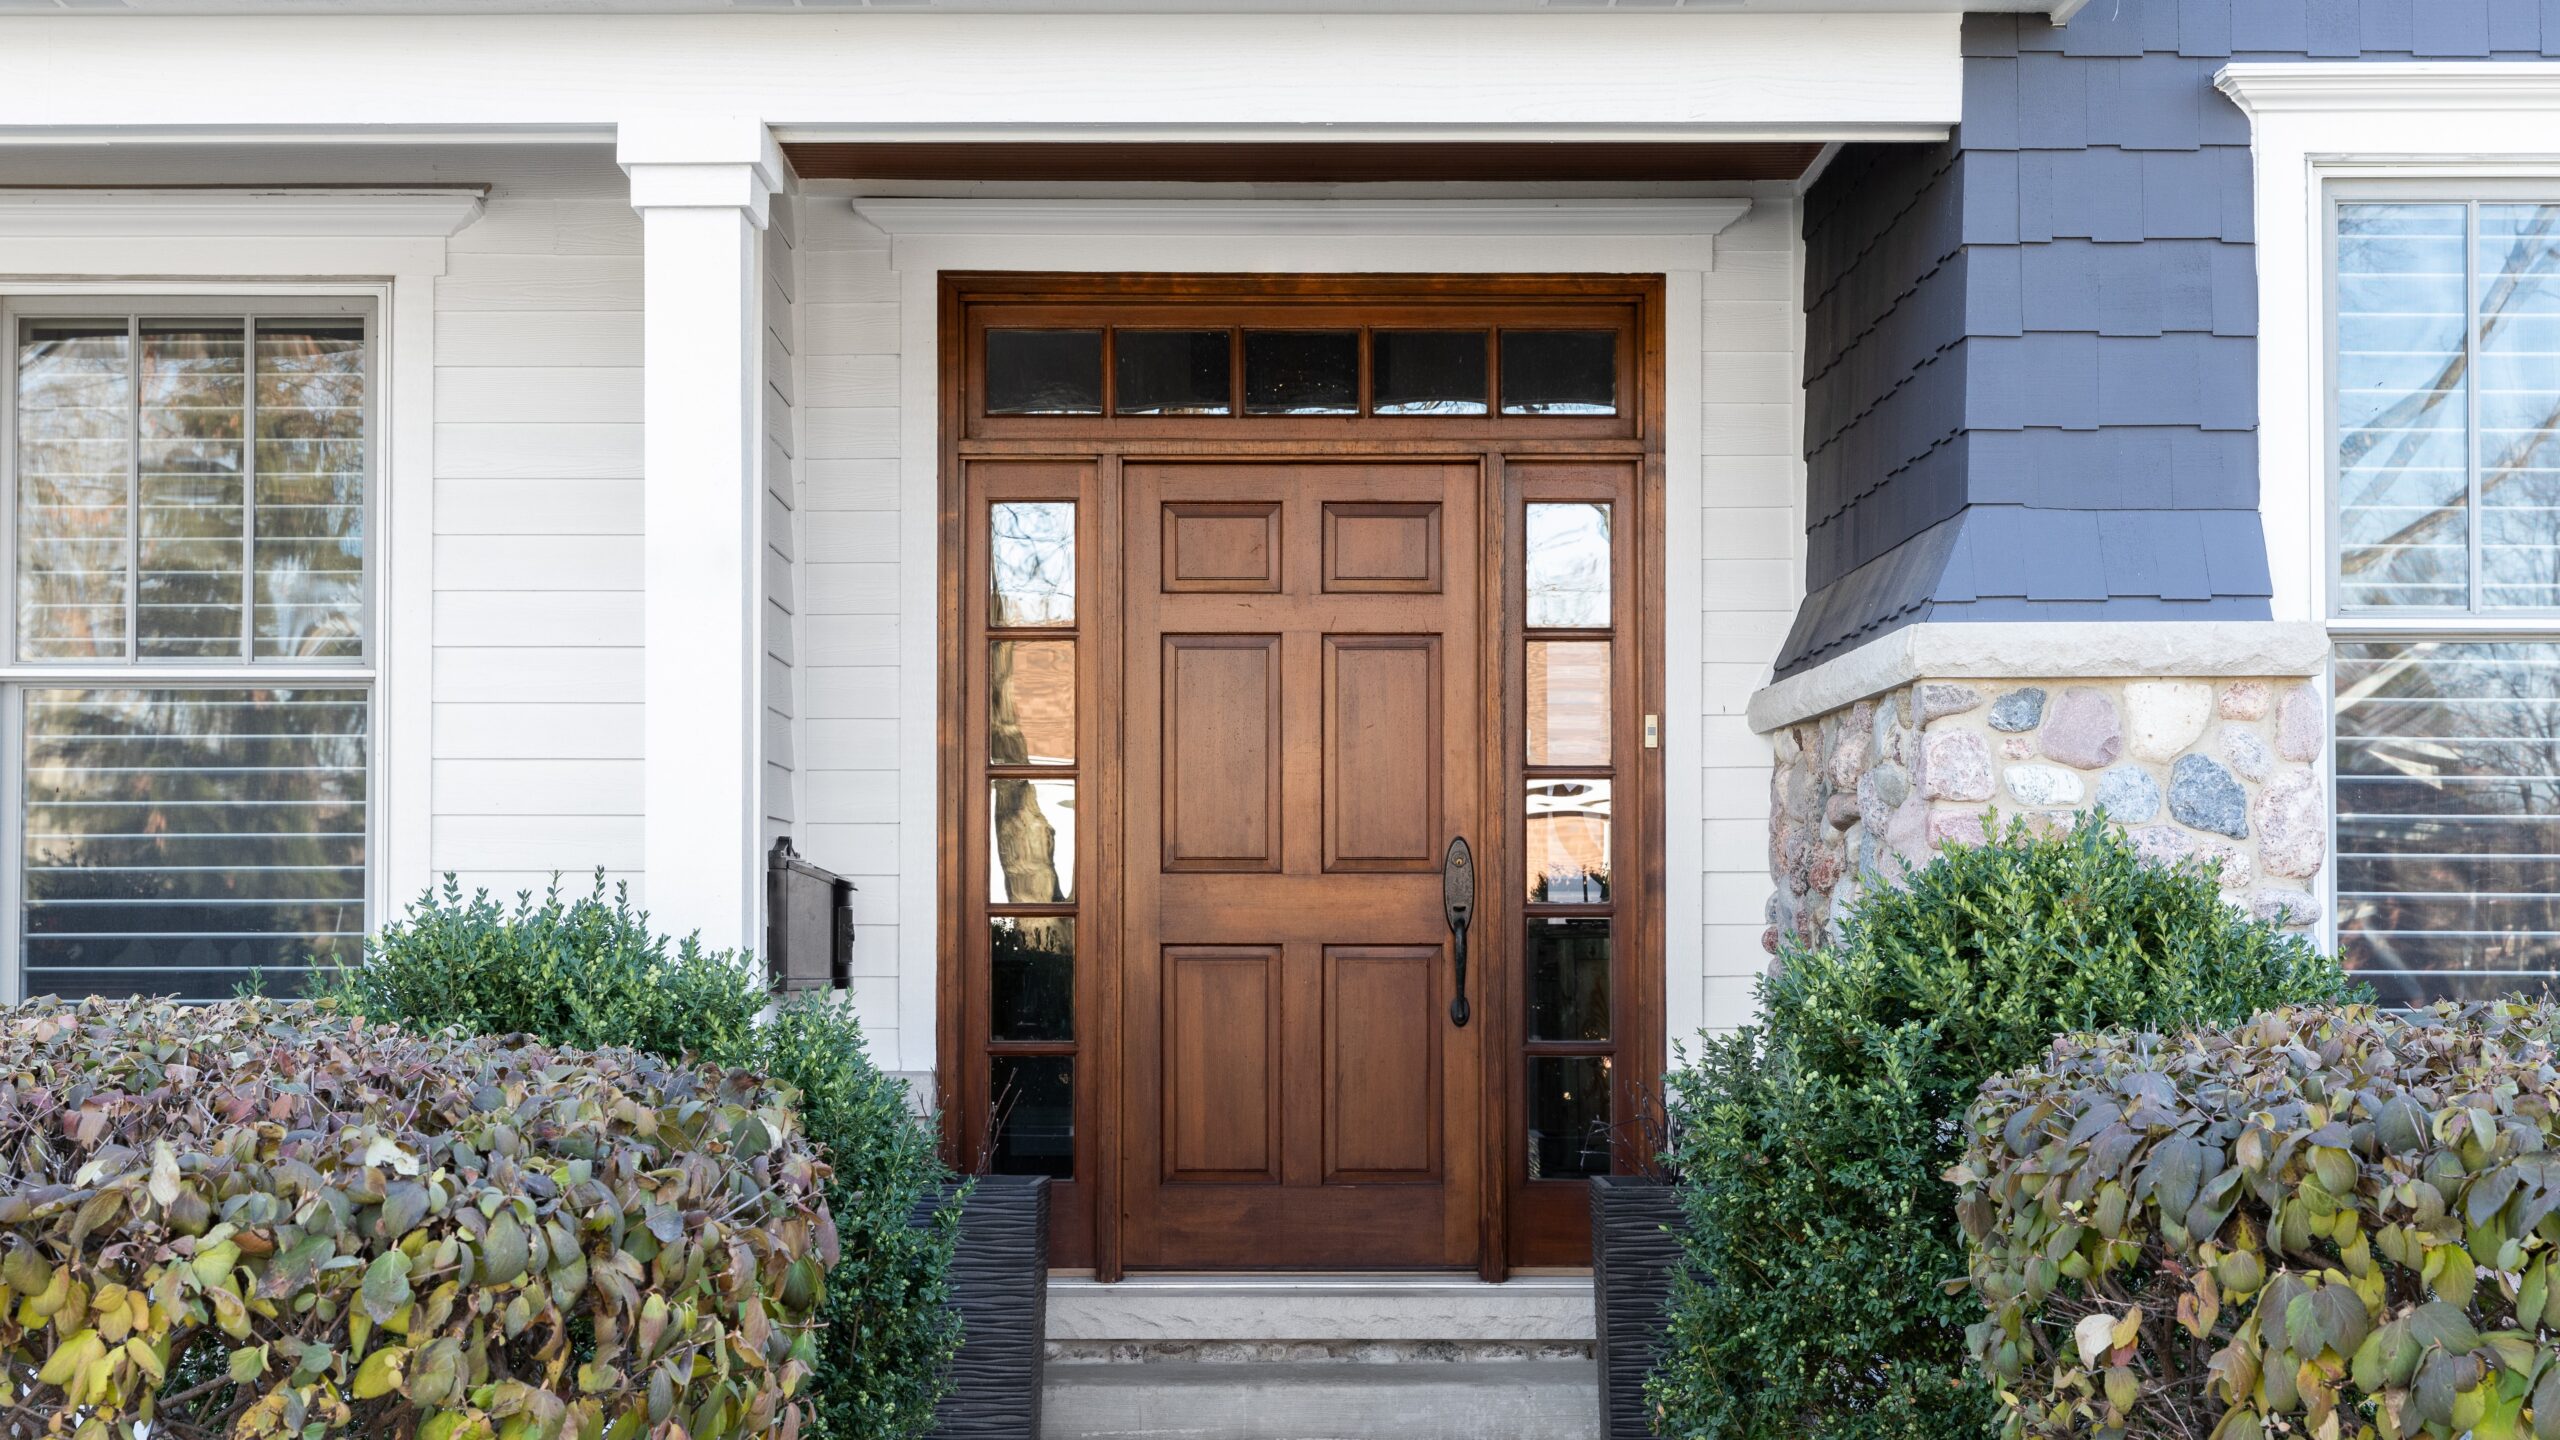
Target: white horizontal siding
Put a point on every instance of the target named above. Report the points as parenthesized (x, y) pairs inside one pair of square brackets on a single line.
[(782, 785)]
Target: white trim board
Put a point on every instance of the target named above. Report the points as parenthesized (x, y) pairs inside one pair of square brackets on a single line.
[(1702, 76), (424, 212), (1022, 244)]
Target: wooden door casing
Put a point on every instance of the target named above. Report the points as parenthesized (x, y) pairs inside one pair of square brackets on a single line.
[(1237, 1006)]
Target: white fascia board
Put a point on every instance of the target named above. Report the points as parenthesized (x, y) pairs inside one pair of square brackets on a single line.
[(1145, 77), (429, 212), (2457, 86), (1641, 216)]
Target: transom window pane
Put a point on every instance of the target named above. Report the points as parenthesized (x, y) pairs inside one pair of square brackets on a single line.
[(2448, 816), (1427, 372), (178, 840), (1302, 372), (1559, 372), (2448, 397), (1171, 372), (1044, 372)]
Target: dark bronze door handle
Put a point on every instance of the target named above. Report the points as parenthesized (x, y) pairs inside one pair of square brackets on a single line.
[(1458, 900)]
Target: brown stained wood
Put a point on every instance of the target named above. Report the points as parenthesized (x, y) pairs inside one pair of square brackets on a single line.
[(1305, 162), (1265, 1073)]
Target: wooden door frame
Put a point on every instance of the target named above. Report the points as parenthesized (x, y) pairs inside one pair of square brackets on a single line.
[(960, 1008)]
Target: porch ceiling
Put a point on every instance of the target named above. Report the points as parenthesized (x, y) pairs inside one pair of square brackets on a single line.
[(1312, 162), (2060, 9)]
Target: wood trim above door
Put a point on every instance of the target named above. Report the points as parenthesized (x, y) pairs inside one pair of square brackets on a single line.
[(1402, 550)]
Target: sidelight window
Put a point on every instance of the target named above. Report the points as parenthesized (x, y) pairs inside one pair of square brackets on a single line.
[(191, 714)]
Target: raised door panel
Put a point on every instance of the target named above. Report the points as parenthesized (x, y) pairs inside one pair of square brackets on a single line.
[(1221, 787), (1382, 547), (1382, 1025), (1222, 1063), (1221, 546), (1382, 752)]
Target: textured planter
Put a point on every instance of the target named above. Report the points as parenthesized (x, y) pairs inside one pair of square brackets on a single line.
[(1635, 1246), (1000, 1282)]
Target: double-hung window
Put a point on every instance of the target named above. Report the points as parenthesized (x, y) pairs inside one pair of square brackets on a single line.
[(2445, 592), (188, 703)]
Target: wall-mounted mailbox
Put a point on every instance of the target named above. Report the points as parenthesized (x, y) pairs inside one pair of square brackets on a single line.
[(808, 936)]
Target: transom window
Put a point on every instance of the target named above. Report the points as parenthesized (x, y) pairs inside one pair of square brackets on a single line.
[(2445, 376), (190, 712)]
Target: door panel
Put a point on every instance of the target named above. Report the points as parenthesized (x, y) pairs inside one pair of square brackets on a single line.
[(1285, 973)]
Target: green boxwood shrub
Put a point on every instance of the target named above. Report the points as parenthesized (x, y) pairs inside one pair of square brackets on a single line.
[(255, 1219), (2326, 1221), (591, 971), (1812, 1147)]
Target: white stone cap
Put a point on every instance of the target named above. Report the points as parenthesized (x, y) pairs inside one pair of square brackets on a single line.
[(1321, 1307), (2044, 650)]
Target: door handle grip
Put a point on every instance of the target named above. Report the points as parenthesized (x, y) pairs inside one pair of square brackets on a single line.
[(1458, 903)]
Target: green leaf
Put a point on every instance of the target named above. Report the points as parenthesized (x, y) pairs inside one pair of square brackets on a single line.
[(386, 1286)]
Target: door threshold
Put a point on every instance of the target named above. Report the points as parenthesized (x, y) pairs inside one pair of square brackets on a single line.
[(1320, 1307)]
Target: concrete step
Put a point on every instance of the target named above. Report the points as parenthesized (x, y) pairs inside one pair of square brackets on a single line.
[(1323, 1400)]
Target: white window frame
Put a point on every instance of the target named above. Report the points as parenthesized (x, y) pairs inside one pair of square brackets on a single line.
[(385, 246), (2317, 129)]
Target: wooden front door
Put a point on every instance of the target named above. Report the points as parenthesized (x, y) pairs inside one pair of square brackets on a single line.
[(1258, 593), (1305, 720)]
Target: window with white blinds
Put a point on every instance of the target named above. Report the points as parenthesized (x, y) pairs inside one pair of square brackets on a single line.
[(2447, 681), (190, 485)]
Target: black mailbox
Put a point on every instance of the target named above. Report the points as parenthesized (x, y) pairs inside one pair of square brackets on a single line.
[(808, 928)]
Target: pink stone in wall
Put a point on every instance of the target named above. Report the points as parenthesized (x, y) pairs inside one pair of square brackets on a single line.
[(2286, 907), (2082, 729), (1958, 827), (2246, 700), (2163, 844), (2293, 828), (2229, 860), (1959, 767), (2300, 727)]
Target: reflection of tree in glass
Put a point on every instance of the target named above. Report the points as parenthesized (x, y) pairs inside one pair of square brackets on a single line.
[(74, 437), (2520, 405), (194, 397), (1031, 557), (311, 478), (1026, 845)]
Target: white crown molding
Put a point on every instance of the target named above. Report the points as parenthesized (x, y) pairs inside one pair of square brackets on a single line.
[(2262, 88), (425, 212), (905, 217)]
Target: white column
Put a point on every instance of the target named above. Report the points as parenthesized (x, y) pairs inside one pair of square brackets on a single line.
[(702, 186)]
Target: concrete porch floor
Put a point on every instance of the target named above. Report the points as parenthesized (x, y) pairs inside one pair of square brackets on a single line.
[(1320, 1357)]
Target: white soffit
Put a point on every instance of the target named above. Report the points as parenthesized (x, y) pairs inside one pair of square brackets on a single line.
[(434, 212)]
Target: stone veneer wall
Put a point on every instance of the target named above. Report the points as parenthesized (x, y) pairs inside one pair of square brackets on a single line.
[(2218, 772)]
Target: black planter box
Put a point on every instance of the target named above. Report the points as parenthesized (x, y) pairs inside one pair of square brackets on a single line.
[(1635, 1247), (1000, 1282)]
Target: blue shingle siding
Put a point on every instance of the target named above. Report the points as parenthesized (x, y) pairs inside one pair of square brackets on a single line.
[(2031, 351)]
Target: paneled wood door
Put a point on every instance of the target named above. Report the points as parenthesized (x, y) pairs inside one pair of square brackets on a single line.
[(1305, 722), (1257, 591)]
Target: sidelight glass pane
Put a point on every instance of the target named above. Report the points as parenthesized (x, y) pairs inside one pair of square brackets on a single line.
[(1568, 979), (2402, 373), (1170, 372), (1031, 564), (310, 511), (178, 840), (1031, 702), (1032, 1115), (1031, 831), (1559, 372), (1568, 1116), (1427, 372), (1568, 702), (1044, 372), (2517, 265), (1568, 566), (75, 451), (1302, 372), (194, 413), (2448, 816), (1568, 841), (1035, 978)]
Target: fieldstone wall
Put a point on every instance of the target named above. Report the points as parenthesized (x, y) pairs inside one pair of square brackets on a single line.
[(2220, 772)]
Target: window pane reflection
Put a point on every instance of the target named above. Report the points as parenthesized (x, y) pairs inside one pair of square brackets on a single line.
[(1032, 1110), (1032, 823), (2448, 816), (1044, 372), (1031, 564), (2402, 377), (74, 442), (1031, 702), (1568, 1116), (194, 407), (2518, 269), (1568, 841), (1568, 702), (311, 489), (179, 839), (1427, 372), (1034, 978), (1568, 979), (1559, 372), (1567, 559), (1301, 372)]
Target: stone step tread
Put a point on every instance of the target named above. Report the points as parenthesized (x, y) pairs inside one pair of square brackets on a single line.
[(1175, 1400)]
